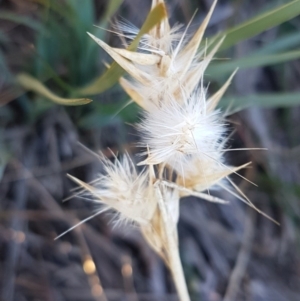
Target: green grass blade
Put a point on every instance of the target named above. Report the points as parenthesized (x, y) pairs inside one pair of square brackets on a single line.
[(217, 69), (30, 83), (111, 9), (92, 48), (59, 8), (22, 20), (260, 23), (84, 12), (99, 29), (112, 75), (287, 41), (262, 100)]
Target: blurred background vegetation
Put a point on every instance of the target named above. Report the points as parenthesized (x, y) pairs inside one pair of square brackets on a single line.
[(229, 252)]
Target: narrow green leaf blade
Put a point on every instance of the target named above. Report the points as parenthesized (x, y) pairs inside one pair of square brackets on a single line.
[(281, 43), (84, 11), (99, 29), (112, 7), (260, 23), (155, 16), (92, 48), (262, 100), (22, 20), (252, 61), (30, 83), (112, 75)]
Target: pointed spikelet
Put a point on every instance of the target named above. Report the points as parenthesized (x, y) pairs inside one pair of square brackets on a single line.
[(204, 174), (167, 61), (213, 101), (123, 190)]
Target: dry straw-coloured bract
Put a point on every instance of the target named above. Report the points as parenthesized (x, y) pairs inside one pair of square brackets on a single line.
[(182, 131)]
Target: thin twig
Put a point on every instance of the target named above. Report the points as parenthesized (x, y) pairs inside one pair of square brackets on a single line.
[(243, 258)]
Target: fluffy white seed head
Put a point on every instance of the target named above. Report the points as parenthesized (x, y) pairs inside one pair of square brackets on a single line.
[(163, 44), (161, 39), (174, 132), (122, 189)]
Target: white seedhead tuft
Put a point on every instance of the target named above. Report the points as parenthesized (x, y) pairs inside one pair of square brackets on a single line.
[(174, 132), (122, 189)]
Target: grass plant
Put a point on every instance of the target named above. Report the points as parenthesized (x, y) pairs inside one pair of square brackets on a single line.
[(183, 129), (183, 137)]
